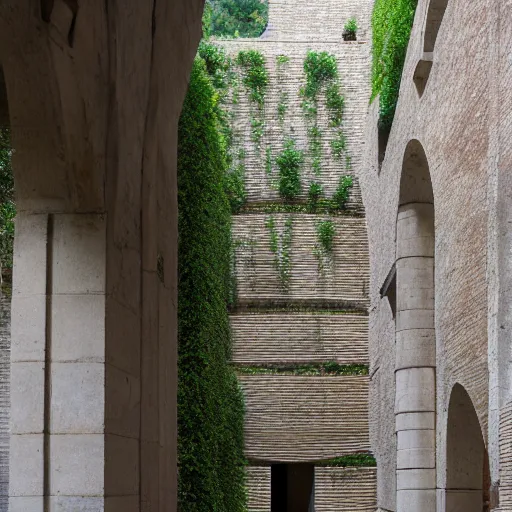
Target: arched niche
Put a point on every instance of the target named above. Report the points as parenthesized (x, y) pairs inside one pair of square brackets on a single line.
[(467, 475), (415, 366), (435, 15)]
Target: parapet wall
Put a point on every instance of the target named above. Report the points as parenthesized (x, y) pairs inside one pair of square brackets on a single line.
[(314, 20)]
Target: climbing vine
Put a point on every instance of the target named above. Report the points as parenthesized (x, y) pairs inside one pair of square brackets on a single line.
[(325, 232), (342, 193), (282, 107), (255, 79), (391, 26), (321, 70), (210, 403), (280, 246), (289, 163)]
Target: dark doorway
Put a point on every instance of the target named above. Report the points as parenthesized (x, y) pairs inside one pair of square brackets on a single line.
[(292, 487)]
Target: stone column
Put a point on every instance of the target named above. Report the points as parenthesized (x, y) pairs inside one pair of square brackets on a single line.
[(415, 404), (74, 445)]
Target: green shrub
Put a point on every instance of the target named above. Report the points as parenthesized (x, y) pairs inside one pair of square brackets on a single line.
[(391, 24), (351, 26), (289, 163), (210, 403), (217, 63), (325, 232), (236, 18), (342, 194)]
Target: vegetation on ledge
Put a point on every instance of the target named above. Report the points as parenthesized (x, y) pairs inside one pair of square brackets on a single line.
[(355, 460), (328, 368)]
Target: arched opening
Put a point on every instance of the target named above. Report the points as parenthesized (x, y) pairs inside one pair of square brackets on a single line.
[(467, 473), (435, 17), (415, 405)]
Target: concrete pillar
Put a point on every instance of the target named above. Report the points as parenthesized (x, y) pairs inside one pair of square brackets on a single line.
[(75, 401), (415, 402)]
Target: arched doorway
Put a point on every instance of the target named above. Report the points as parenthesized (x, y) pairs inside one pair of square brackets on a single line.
[(467, 474), (415, 404)]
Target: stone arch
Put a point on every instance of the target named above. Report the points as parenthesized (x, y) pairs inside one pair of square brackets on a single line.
[(435, 15), (94, 116), (467, 475), (415, 406)]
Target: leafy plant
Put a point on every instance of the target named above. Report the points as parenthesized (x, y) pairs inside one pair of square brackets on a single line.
[(320, 68), (268, 161), (236, 18), (280, 247), (282, 106), (315, 193), (257, 128), (217, 63), (7, 205), (391, 26), (342, 193), (289, 163), (282, 59), (210, 403), (255, 75), (335, 102), (321, 71), (325, 232), (256, 79), (350, 30), (338, 145), (235, 184)]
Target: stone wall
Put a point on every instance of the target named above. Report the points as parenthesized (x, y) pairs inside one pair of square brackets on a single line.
[(457, 121), (320, 313)]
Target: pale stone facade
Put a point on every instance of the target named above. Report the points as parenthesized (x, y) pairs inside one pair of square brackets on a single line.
[(94, 110), (438, 210)]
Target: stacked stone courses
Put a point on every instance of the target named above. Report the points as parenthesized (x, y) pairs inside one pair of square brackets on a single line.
[(319, 313)]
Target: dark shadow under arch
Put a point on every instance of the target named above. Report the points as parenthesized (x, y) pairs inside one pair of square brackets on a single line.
[(435, 15), (467, 475)]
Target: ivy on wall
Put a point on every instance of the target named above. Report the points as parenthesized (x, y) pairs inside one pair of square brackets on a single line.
[(7, 205), (391, 25), (289, 163), (321, 70), (280, 246), (255, 79), (210, 403)]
